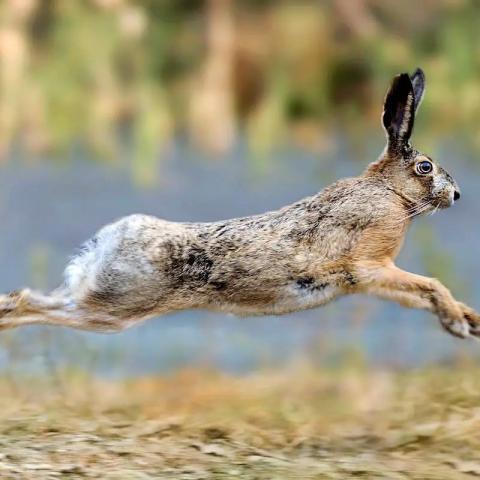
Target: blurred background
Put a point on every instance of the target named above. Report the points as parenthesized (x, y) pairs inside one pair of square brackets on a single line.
[(201, 110)]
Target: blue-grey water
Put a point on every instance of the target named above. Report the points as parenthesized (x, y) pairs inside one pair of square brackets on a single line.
[(47, 209)]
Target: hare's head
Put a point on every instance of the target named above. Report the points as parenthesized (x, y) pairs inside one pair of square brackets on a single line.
[(412, 174)]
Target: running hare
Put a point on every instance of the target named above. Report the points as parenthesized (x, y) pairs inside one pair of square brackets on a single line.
[(342, 240)]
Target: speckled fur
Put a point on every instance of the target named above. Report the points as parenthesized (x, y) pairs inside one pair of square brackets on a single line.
[(342, 240)]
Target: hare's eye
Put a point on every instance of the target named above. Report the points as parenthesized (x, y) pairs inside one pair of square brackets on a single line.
[(424, 167)]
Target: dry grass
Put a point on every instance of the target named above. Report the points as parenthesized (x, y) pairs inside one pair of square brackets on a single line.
[(298, 423)]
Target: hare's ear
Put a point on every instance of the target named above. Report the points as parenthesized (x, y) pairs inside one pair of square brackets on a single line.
[(418, 83), (399, 111)]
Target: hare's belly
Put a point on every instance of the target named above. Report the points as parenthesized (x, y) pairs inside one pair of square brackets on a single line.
[(305, 293), (298, 295)]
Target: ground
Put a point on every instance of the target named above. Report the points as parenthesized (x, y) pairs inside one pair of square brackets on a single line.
[(298, 423)]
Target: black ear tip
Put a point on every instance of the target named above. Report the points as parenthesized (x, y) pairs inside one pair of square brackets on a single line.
[(418, 73), (403, 81)]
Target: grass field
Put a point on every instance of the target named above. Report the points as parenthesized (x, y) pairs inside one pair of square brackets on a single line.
[(297, 423)]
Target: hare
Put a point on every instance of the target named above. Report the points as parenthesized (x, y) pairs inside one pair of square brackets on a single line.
[(342, 240)]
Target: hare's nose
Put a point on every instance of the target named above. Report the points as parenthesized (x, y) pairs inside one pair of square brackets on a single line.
[(456, 195)]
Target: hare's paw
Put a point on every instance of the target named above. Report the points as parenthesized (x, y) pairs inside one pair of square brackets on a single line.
[(457, 328), (472, 318), (468, 325)]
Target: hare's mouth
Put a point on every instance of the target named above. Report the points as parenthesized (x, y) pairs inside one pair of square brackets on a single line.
[(447, 199), (440, 205)]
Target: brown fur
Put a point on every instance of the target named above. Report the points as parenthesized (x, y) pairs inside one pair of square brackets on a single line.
[(342, 240)]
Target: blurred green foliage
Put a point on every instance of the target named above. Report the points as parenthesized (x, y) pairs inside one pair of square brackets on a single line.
[(96, 70)]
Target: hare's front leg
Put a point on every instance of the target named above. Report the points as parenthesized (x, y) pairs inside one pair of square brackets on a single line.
[(416, 291)]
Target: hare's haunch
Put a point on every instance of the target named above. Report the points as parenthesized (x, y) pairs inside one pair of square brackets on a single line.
[(342, 240)]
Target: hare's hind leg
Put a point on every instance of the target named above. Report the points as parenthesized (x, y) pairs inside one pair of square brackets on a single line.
[(415, 291), (26, 307)]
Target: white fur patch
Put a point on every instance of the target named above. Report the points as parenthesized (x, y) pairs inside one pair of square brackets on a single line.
[(295, 298)]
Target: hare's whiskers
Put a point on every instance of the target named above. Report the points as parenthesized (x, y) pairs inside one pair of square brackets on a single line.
[(414, 212), (422, 202), (435, 209)]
